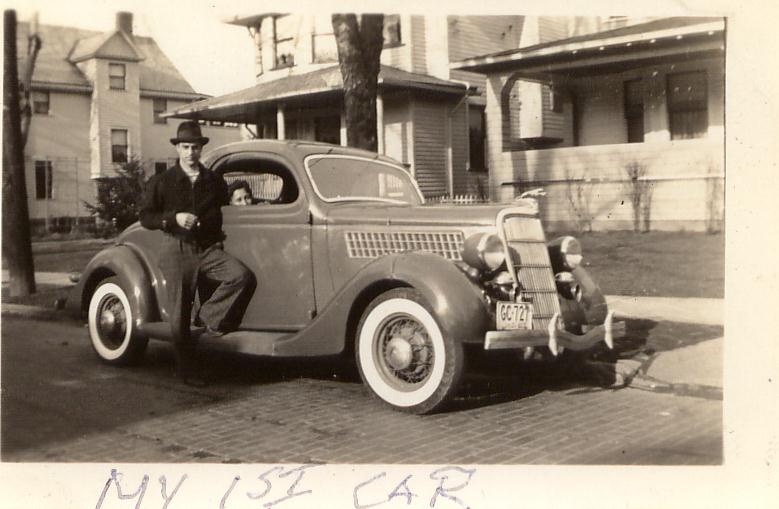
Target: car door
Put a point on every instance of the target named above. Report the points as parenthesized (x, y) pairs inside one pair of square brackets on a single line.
[(272, 236)]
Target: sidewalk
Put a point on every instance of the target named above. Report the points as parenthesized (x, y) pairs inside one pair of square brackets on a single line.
[(53, 279)]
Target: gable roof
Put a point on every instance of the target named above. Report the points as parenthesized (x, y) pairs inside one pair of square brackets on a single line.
[(115, 45), (53, 70)]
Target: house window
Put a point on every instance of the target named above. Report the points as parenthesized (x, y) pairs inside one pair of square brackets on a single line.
[(43, 179), (159, 167), (476, 139), (40, 102), (284, 41), (688, 115), (116, 76), (160, 105), (119, 145), (323, 45), (634, 110), (391, 31)]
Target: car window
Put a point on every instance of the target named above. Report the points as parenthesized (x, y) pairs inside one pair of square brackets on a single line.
[(266, 187), (345, 178)]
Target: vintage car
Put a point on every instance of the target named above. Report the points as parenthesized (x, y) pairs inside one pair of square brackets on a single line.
[(350, 260)]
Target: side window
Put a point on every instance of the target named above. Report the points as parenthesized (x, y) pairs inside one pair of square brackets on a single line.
[(260, 186)]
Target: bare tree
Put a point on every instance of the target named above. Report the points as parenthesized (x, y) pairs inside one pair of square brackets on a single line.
[(360, 41), (17, 249), (640, 193)]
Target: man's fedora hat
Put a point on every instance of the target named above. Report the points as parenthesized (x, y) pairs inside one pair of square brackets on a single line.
[(189, 132)]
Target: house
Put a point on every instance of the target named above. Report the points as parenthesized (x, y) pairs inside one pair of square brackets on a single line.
[(495, 105), (622, 125), (430, 118), (97, 99)]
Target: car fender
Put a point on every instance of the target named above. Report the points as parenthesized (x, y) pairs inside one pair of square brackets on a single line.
[(455, 301), (120, 261)]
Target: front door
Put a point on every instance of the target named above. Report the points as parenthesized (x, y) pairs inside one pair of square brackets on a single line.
[(272, 236)]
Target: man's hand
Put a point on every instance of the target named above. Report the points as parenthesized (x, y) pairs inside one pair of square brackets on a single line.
[(186, 220)]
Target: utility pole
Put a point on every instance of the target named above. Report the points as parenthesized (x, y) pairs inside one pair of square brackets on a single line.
[(17, 249)]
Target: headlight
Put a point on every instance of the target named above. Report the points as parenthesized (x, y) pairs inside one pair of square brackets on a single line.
[(571, 250), (565, 253), (484, 251)]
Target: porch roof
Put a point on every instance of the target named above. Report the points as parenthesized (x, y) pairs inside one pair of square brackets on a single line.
[(245, 105), (612, 50)]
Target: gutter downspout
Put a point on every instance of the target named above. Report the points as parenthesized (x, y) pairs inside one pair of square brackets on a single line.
[(449, 154)]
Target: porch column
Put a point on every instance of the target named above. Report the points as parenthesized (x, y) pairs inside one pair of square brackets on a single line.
[(380, 123), (344, 141), (280, 122)]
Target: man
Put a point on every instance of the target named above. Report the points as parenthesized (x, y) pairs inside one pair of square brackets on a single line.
[(185, 202)]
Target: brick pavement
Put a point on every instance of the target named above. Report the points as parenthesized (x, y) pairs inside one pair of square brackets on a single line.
[(307, 420)]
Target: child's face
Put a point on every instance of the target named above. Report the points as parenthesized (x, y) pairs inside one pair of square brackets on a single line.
[(240, 197)]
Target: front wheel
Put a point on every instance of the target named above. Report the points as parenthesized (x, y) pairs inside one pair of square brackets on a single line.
[(403, 356), (111, 325)]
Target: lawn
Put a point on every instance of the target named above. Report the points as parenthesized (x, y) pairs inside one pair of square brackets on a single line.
[(657, 264)]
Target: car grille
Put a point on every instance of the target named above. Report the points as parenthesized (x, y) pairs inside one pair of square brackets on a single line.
[(533, 269), (375, 244)]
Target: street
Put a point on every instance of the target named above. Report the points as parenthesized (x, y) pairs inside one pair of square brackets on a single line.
[(60, 404)]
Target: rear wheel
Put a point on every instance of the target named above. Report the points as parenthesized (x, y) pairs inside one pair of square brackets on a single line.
[(403, 356), (111, 322)]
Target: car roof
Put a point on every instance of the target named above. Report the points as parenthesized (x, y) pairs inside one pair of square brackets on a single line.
[(299, 148)]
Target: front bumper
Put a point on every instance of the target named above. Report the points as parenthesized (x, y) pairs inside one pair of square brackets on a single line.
[(554, 338)]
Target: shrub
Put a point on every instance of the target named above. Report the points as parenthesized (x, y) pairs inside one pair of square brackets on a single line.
[(119, 197)]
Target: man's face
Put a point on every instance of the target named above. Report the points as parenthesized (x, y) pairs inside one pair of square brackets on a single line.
[(189, 153)]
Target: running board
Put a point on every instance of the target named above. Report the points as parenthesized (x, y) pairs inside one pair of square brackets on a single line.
[(241, 341)]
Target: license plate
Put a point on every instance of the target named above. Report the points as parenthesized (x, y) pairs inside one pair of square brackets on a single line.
[(514, 315)]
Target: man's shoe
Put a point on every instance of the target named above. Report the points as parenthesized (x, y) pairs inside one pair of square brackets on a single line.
[(210, 333)]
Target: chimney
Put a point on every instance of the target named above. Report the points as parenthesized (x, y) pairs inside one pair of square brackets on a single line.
[(124, 22)]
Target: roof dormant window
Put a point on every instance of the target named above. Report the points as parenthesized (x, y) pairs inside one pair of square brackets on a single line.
[(284, 41), (323, 45), (116, 76)]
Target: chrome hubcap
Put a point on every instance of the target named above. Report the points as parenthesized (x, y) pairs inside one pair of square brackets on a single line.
[(404, 351), (107, 321), (399, 353), (111, 321)]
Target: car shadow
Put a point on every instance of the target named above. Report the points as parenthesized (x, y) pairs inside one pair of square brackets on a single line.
[(501, 377)]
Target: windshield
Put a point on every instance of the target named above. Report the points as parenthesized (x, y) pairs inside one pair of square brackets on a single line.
[(349, 178)]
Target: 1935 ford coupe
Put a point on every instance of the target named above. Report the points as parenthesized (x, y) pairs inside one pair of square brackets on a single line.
[(348, 258)]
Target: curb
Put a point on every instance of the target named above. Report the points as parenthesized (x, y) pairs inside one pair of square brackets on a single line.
[(69, 246), (34, 312)]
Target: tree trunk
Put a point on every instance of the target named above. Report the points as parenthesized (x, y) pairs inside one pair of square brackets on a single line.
[(359, 49), (17, 250)]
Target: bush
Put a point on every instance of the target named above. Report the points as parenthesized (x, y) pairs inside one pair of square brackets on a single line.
[(119, 197)]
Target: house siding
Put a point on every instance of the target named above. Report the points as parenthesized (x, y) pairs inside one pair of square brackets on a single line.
[(418, 43), (397, 128), (61, 137), (471, 36), (430, 146)]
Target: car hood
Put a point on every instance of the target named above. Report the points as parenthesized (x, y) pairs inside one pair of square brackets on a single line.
[(445, 215)]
